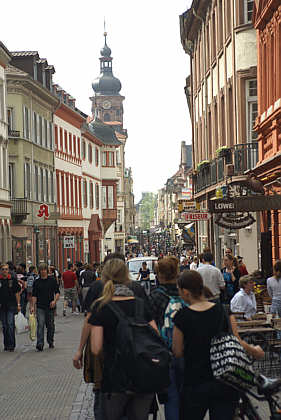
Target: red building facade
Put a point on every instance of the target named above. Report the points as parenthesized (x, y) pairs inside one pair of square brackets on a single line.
[(267, 21)]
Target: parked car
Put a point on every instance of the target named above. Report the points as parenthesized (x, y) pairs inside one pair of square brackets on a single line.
[(135, 264)]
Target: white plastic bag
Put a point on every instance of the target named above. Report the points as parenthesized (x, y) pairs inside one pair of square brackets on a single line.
[(21, 323)]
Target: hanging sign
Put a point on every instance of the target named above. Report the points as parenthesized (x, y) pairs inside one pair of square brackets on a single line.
[(43, 211), (195, 216)]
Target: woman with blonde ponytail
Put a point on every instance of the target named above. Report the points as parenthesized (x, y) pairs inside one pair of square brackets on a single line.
[(103, 321)]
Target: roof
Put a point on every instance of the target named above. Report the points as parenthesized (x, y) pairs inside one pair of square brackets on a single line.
[(5, 49), (24, 53), (14, 70), (104, 133)]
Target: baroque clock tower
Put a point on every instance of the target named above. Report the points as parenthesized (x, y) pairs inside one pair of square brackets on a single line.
[(107, 103)]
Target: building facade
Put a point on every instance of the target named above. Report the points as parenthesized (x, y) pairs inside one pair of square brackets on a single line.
[(267, 21), (5, 206), (222, 97), (30, 108)]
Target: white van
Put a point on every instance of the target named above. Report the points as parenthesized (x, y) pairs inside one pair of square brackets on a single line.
[(134, 265)]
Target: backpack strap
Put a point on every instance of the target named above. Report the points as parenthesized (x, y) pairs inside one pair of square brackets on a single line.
[(117, 311), (139, 310)]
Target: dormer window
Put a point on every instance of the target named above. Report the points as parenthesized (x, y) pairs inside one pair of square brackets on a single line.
[(44, 77)]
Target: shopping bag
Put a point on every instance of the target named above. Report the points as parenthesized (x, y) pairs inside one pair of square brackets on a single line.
[(21, 323), (32, 327)]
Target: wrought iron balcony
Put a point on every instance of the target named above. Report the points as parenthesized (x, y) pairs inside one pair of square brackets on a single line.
[(19, 210), (13, 133), (236, 160)]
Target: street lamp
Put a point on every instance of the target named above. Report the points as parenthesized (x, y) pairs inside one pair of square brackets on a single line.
[(36, 230)]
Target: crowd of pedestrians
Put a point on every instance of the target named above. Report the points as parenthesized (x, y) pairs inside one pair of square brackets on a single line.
[(188, 306), (147, 344)]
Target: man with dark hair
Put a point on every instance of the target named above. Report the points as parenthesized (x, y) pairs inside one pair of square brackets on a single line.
[(71, 286), (212, 277), (9, 306), (45, 295)]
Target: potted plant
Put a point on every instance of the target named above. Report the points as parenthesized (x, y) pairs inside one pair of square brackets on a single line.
[(225, 152), (203, 164)]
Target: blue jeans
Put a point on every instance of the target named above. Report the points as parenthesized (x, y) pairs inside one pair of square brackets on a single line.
[(45, 317), (7, 316), (172, 406)]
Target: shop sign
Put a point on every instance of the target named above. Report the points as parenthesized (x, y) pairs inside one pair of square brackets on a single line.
[(234, 220), (195, 216), (245, 204), (43, 211), (69, 242)]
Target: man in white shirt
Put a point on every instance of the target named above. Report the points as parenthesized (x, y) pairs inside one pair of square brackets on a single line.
[(245, 300), (212, 277), (194, 264)]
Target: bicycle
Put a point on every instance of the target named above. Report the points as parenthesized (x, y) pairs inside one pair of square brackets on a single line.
[(266, 389)]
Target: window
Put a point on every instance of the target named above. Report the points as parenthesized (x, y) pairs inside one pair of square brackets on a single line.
[(25, 122), (51, 135), (47, 185), (52, 189), (10, 119), (248, 10), (214, 44), (36, 183), (252, 109), (85, 194), (117, 157), (35, 128), (91, 198), (220, 27), (104, 198), (111, 159), (97, 156), (110, 197), (41, 184), (12, 180), (61, 140), (90, 157), (46, 132), (104, 160), (70, 143), (40, 131), (65, 141), (27, 181), (83, 150), (97, 196), (74, 145), (78, 146), (106, 117)]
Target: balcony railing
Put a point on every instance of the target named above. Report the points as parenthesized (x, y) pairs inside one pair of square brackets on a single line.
[(13, 133), (19, 210), (242, 157)]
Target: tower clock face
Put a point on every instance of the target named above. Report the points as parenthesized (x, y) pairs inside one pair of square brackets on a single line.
[(106, 104)]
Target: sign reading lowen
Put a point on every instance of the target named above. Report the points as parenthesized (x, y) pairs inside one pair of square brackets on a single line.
[(245, 204)]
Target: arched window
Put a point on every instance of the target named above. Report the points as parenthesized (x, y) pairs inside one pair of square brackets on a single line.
[(106, 117)]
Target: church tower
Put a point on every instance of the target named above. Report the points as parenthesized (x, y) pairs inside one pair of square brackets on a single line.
[(107, 103)]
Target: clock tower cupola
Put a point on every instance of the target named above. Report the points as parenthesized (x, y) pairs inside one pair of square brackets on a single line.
[(107, 101)]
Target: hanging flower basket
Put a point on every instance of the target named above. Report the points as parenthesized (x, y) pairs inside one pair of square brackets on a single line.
[(203, 164), (223, 151)]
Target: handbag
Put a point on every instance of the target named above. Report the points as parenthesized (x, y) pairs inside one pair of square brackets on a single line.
[(21, 323), (32, 327), (229, 361)]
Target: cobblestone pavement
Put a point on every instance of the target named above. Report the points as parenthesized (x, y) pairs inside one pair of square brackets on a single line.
[(45, 385)]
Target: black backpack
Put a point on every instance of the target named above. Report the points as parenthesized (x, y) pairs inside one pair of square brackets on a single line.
[(141, 358)]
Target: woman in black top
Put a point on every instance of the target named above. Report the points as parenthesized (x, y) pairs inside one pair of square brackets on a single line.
[(194, 328), (103, 322)]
